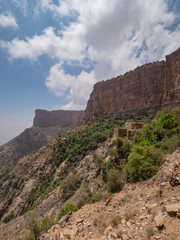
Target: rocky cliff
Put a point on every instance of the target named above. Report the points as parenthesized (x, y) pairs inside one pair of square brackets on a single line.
[(148, 88), (47, 125), (63, 118)]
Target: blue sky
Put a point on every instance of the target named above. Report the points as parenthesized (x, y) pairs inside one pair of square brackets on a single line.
[(52, 52)]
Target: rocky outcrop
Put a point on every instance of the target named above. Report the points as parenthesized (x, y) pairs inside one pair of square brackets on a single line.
[(44, 118), (47, 125), (148, 88)]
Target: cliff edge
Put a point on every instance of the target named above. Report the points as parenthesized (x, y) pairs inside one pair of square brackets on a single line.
[(147, 89), (64, 118)]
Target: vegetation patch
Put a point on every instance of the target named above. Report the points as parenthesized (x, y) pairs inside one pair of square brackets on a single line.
[(157, 138)]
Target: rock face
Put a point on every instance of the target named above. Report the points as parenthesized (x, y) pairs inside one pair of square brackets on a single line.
[(47, 125), (148, 88), (44, 118)]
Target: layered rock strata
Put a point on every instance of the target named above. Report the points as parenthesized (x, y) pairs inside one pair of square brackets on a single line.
[(44, 118), (148, 88)]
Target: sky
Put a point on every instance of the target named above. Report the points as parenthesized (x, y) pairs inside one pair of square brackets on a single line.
[(52, 52)]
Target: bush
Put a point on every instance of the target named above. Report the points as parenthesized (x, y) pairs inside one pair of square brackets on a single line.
[(141, 164), (126, 149), (97, 159), (97, 198), (69, 186), (166, 119), (47, 223), (115, 183), (69, 207), (35, 228)]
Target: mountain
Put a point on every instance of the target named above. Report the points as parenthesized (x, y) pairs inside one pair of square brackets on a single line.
[(89, 183), (46, 126), (147, 89)]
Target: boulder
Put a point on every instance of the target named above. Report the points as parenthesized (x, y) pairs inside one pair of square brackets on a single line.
[(173, 209)]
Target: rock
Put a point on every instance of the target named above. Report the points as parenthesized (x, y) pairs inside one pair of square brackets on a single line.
[(123, 221), (174, 181), (64, 219), (125, 237), (79, 221), (147, 88), (173, 209), (44, 118), (108, 230), (128, 224), (159, 221), (112, 236)]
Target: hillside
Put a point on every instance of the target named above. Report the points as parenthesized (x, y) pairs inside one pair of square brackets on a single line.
[(147, 89), (146, 210), (47, 125), (102, 178), (85, 165)]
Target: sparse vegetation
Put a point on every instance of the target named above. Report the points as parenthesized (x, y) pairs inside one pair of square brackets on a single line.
[(115, 183), (69, 186), (68, 208), (9, 217), (97, 197)]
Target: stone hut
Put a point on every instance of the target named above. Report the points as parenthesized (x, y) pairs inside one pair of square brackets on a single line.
[(128, 131)]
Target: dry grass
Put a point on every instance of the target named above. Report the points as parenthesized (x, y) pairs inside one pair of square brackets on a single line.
[(102, 221), (149, 231), (131, 214)]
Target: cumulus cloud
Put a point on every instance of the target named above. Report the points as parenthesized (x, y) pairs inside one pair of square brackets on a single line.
[(115, 35), (8, 20), (78, 87), (58, 46)]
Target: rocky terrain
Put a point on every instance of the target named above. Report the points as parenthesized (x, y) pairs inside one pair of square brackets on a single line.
[(87, 165), (147, 210), (148, 88)]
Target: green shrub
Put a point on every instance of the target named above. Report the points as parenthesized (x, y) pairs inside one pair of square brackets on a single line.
[(167, 119), (35, 228), (119, 143), (69, 186), (47, 223), (69, 207), (97, 198), (97, 159), (126, 149), (115, 183), (141, 165)]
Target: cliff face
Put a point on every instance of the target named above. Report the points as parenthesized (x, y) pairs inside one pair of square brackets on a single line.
[(47, 125), (149, 88), (63, 118)]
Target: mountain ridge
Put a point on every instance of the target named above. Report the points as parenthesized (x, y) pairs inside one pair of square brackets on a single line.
[(147, 89)]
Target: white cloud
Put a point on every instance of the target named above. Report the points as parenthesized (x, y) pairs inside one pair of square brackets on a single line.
[(78, 87), (8, 20), (116, 35), (59, 46), (61, 9), (58, 81)]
